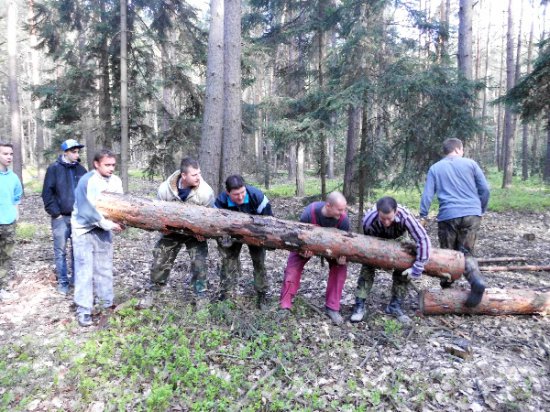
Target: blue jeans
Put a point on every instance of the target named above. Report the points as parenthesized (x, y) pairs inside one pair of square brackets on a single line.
[(61, 232), (93, 260)]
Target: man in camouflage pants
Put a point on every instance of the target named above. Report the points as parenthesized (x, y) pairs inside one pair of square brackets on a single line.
[(388, 220), (10, 196), (184, 185), (240, 197)]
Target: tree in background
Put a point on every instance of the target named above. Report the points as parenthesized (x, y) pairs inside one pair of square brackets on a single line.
[(13, 88), (531, 99)]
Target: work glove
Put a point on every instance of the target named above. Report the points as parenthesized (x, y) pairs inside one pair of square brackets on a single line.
[(226, 241), (408, 274)]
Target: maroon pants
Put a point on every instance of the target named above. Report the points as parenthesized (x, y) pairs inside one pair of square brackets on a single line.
[(293, 273)]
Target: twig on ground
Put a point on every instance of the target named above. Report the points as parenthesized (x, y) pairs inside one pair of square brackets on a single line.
[(313, 307), (266, 376)]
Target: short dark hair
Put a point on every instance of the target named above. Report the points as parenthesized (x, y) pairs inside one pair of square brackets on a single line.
[(6, 144), (449, 145), (234, 182), (188, 162), (100, 154), (386, 204)]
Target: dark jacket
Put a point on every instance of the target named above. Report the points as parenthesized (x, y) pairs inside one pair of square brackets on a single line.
[(255, 203), (59, 185)]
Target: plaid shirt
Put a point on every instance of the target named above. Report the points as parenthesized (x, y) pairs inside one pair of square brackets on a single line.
[(403, 222)]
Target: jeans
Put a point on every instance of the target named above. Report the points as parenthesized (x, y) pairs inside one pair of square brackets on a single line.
[(61, 231), (293, 273), (93, 259)]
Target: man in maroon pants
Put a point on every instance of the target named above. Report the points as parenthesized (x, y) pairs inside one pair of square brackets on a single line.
[(331, 213)]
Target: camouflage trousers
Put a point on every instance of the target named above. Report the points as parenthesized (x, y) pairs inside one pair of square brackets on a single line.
[(231, 267), (366, 280), (459, 234), (7, 242), (165, 252)]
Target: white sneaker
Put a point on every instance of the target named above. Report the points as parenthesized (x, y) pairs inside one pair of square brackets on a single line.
[(6, 296)]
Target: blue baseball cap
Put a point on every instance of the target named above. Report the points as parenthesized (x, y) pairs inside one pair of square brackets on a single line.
[(71, 144)]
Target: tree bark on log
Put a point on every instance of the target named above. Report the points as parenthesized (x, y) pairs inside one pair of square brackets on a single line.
[(501, 259), (270, 232), (531, 268), (494, 302)]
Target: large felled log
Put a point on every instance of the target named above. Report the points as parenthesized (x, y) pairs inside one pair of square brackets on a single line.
[(270, 232), (493, 302)]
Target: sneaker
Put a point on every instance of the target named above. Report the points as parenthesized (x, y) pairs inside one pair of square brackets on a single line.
[(84, 319), (261, 301), (358, 311), (334, 316), (6, 296), (394, 309), (63, 289)]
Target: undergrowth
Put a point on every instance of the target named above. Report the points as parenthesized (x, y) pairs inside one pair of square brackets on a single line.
[(225, 357)]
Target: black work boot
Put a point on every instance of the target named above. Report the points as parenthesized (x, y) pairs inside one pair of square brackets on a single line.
[(358, 311), (394, 309), (477, 284)]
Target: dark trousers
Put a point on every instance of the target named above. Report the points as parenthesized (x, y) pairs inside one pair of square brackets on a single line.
[(459, 234)]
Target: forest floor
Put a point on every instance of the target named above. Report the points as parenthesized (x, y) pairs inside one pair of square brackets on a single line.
[(257, 362)]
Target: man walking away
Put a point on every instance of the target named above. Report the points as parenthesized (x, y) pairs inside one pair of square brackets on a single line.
[(463, 195)]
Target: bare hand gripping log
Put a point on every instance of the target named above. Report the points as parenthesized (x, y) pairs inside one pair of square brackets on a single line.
[(275, 233)]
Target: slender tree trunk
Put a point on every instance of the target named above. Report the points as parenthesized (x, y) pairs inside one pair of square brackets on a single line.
[(330, 153), (525, 126), (322, 131), (292, 162), (483, 134), (499, 146), (535, 163), (546, 173), (37, 113), (124, 95), (232, 130), (443, 35), (300, 175), (212, 124), (363, 189), (465, 38), (509, 135), (15, 114), (354, 127), (105, 105)]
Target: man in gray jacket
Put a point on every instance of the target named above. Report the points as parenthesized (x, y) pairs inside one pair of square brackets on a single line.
[(184, 185)]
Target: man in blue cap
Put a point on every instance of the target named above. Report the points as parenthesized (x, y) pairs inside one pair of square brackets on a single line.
[(60, 182)]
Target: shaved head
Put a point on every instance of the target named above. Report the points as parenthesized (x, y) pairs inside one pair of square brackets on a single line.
[(334, 198), (335, 205)]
